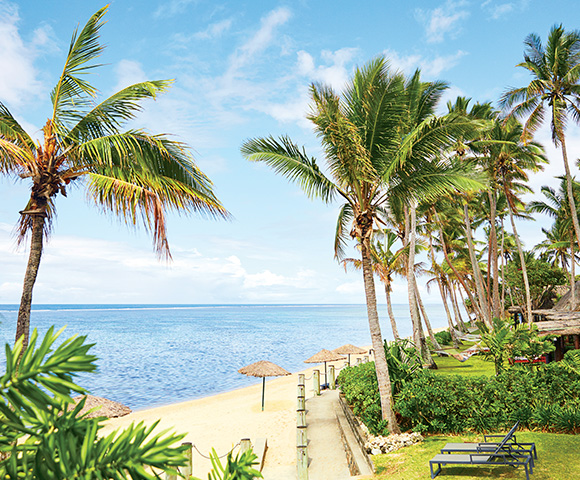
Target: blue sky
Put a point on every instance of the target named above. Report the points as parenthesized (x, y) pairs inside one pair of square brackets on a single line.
[(241, 70)]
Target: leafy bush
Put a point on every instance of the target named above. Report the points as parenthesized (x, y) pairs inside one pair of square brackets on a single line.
[(548, 400), (240, 467), (360, 388), (41, 439), (444, 337)]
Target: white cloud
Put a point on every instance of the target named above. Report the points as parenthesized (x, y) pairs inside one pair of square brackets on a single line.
[(214, 30), (499, 10), (442, 21), (334, 71), (128, 73), (430, 68), (19, 80), (172, 8), (258, 42)]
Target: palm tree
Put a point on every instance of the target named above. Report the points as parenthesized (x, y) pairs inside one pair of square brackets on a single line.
[(511, 159), (555, 69), (368, 160), (560, 237), (132, 173)]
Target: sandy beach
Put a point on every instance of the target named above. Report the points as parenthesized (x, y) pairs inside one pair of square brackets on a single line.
[(222, 420)]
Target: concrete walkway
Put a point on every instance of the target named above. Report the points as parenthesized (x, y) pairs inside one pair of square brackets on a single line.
[(327, 457)]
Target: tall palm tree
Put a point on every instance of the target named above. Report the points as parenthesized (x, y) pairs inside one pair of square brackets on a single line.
[(560, 237), (132, 173), (512, 159), (368, 160), (555, 69)]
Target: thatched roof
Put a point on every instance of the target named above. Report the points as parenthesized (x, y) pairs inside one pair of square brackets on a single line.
[(108, 408), (263, 368), (349, 349), (324, 356)]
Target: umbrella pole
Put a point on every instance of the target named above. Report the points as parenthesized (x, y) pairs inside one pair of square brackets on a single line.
[(325, 376), (263, 391), (349, 359)]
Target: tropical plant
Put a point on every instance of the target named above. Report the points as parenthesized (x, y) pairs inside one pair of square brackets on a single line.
[(495, 341), (555, 70), (240, 467), (42, 437), (404, 362), (374, 151), (132, 174)]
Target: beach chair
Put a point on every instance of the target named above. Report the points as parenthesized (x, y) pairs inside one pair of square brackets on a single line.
[(498, 457), (490, 443)]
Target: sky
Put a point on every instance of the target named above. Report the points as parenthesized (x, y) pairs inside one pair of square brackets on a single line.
[(241, 70)]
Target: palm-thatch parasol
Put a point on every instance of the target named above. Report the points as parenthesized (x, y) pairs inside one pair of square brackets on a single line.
[(349, 350), (263, 369), (104, 407), (322, 357)]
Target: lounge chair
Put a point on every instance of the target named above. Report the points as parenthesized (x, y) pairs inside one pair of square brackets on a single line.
[(490, 443), (498, 457)]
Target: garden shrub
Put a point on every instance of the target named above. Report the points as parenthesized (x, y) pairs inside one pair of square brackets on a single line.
[(548, 399), (444, 337)]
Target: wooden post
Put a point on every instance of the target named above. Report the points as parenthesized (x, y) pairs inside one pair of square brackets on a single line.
[(332, 381), (187, 471), (245, 445), (301, 379), (576, 342), (366, 359), (301, 439), (301, 418), (302, 463), (301, 397), (316, 377)]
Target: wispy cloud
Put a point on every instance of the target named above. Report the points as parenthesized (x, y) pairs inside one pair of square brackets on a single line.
[(498, 10), (214, 30), (430, 67), (172, 8), (20, 81), (443, 21)]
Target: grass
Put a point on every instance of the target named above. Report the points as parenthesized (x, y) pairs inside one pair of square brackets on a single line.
[(558, 456)]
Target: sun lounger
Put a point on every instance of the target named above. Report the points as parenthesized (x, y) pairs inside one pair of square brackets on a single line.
[(490, 443), (487, 453)]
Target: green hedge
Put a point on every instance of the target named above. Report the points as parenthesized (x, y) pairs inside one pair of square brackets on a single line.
[(547, 400)]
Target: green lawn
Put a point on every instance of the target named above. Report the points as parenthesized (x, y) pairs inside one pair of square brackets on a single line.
[(558, 459), (558, 454)]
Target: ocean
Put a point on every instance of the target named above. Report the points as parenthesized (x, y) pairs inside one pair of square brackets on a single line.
[(150, 355)]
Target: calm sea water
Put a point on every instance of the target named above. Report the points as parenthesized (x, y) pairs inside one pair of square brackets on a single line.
[(157, 354)]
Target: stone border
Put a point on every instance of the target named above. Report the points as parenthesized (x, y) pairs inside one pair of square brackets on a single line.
[(356, 430)]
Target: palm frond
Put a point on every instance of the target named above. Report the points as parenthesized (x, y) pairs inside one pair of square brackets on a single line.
[(287, 159), (72, 91), (342, 237)]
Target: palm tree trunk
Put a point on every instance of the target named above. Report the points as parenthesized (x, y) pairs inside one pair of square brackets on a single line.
[(456, 311), (390, 311), (522, 260), (425, 317), (459, 277), (23, 322), (495, 305), (418, 337), (476, 271), (502, 266), (569, 189), (381, 367), (572, 277)]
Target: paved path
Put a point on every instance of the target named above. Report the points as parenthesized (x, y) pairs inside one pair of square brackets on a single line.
[(327, 459)]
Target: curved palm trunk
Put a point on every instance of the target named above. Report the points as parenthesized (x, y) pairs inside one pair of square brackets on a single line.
[(381, 367), (391, 314), (502, 266), (23, 322), (418, 337), (495, 305), (425, 317), (572, 277), (476, 271), (522, 261), (569, 190), (458, 318), (459, 277)]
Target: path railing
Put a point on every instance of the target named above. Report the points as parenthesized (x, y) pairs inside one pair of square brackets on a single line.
[(301, 436)]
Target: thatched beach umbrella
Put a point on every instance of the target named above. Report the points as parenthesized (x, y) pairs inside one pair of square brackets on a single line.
[(349, 350), (108, 408), (322, 357), (263, 369)]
